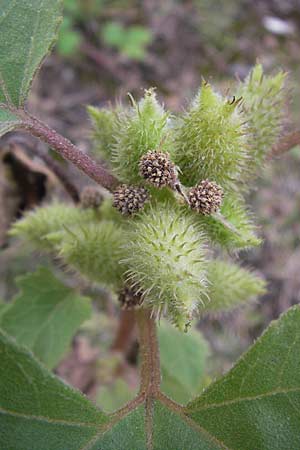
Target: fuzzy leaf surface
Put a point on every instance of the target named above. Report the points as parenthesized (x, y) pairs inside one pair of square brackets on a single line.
[(254, 406), (28, 29), (45, 315), (37, 410)]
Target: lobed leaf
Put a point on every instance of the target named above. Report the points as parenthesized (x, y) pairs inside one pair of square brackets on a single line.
[(37, 410), (8, 121), (255, 405)]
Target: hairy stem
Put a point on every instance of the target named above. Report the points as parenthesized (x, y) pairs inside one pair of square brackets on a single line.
[(70, 152), (149, 353), (124, 332)]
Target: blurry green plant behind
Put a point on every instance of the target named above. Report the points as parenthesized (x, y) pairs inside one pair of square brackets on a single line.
[(130, 41)]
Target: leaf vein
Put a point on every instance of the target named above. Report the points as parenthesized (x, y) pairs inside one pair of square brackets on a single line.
[(244, 399), (47, 419)]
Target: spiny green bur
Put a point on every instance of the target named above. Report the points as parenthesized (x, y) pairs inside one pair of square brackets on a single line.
[(142, 128), (231, 286), (263, 105), (165, 251), (94, 250), (165, 256), (211, 140), (104, 129), (37, 224), (242, 236)]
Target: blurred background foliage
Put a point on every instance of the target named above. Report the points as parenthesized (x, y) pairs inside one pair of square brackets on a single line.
[(106, 49)]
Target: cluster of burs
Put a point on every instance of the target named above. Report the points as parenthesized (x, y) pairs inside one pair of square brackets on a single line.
[(166, 237)]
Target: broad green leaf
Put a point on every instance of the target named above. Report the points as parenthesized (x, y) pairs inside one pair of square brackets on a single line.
[(45, 315), (28, 29), (182, 362), (37, 411), (256, 405), (168, 430)]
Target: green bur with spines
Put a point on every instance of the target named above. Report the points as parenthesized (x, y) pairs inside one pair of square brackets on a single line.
[(166, 251)]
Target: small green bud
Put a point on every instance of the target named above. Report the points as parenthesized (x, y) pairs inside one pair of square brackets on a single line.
[(104, 123), (237, 214), (263, 106)]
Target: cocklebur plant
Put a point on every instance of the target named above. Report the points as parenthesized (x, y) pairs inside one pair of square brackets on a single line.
[(166, 245), (163, 236)]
